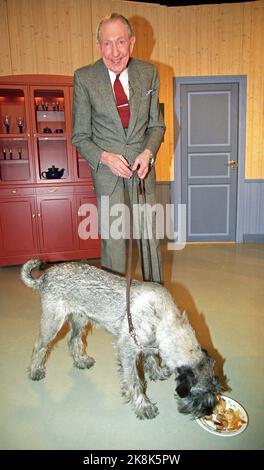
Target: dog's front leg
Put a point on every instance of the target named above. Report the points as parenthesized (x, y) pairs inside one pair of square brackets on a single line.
[(133, 385), (155, 367)]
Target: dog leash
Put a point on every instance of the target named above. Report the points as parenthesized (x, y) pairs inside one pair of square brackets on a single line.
[(141, 188), (142, 192), (129, 263)]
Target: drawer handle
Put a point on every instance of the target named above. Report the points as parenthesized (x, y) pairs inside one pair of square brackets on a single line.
[(53, 190), (13, 191)]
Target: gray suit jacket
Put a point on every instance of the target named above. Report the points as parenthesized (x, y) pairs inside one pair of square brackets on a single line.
[(97, 125)]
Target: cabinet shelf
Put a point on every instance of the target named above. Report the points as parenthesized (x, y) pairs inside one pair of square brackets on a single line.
[(14, 136), (52, 136), (50, 116), (15, 160), (51, 180)]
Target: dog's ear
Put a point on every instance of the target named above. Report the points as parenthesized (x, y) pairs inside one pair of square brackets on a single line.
[(185, 381)]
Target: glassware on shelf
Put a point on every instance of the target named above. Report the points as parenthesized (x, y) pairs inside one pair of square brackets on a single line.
[(7, 123), (37, 105), (4, 153), (19, 150), (11, 154), (20, 123)]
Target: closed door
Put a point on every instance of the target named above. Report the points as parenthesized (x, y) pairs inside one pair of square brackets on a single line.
[(56, 224), (17, 227), (209, 154)]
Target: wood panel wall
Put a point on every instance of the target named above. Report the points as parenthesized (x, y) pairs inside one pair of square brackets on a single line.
[(49, 36), (58, 36), (5, 50)]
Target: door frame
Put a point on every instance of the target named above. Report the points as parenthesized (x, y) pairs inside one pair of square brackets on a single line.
[(241, 80)]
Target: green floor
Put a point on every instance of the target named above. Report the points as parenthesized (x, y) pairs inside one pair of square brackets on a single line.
[(222, 289)]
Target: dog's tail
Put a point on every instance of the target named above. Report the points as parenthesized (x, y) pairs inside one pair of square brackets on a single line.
[(26, 277)]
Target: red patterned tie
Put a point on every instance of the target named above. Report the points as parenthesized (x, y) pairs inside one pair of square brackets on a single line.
[(121, 102)]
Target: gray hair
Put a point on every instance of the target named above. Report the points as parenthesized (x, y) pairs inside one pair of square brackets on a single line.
[(114, 17)]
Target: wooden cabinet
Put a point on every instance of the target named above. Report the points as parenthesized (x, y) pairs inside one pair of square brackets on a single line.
[(43, 179)]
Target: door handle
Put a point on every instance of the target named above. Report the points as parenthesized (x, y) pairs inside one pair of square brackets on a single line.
[(233, 164)]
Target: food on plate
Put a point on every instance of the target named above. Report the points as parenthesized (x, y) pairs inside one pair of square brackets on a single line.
[(224, 418)]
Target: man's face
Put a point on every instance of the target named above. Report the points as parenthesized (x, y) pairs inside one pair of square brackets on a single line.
[(115, 45)]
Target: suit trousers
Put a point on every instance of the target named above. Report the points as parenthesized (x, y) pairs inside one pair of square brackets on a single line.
[(114, 229)]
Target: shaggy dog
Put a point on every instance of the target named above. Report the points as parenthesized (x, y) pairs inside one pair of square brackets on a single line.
[(165, 341)]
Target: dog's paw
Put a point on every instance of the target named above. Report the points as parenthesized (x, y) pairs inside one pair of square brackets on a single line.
[(37, 374), (85, 362), (147, 411)]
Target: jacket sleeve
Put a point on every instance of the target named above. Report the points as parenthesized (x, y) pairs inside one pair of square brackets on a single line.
[(82, 124), (156, 127)]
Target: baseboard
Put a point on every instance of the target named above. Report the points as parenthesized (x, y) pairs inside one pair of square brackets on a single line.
[(253, 238)]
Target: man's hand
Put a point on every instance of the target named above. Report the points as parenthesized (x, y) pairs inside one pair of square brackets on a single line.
[(117, 164), (141, 164)]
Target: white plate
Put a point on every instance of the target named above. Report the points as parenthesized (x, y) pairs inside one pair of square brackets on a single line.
[(231, 404)]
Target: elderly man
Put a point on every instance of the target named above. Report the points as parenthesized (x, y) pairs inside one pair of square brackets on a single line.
[(118, 128)]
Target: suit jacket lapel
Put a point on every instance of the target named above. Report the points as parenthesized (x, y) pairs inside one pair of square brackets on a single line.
[(134, 95)]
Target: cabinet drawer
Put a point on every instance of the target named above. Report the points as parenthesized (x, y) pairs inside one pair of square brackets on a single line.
[(88, 188), (56, 189), (16, 192)]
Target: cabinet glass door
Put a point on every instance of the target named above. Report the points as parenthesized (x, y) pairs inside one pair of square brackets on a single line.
[(12, 111), (52, 158), (50, 111), (14, 160), (51, 133), (15, 151)]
